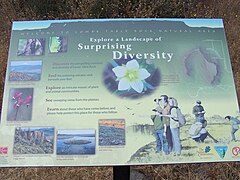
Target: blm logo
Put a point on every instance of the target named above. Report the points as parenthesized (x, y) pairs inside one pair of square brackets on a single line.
[(221, 150)]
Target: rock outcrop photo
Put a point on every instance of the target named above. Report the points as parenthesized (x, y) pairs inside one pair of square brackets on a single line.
[(33, 141)]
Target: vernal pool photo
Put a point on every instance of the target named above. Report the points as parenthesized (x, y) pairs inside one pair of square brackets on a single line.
[(76, 142)]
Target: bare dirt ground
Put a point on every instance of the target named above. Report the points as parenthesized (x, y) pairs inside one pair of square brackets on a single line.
[(13, 10)]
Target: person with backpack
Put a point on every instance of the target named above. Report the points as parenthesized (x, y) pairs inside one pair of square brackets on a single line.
[(165, 111), (234, 124), (199, 133), (174, 116), (160, 132)]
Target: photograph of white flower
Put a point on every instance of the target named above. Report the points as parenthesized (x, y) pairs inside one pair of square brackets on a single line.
[(131, 78)]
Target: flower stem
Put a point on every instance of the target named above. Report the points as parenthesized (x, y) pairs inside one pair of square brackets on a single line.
[(15, 118)]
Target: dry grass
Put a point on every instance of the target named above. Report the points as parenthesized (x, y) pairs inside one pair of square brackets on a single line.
[(71, 9)]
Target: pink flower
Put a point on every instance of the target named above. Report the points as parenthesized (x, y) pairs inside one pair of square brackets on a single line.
[(28, 100), (19, 102), (17, 94)]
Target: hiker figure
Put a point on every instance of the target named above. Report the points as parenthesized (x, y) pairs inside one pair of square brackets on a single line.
[(166, 109), (199, 112), (234, 123), (174, 126), (158, 107), (199, 133), (160, 129)]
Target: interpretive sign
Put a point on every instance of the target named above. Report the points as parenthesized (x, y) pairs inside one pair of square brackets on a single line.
[(118, 92)]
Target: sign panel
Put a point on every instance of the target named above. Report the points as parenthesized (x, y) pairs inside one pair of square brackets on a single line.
[(118, 92)]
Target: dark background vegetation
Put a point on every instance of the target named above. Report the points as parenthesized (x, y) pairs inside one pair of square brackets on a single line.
[(229, 10)]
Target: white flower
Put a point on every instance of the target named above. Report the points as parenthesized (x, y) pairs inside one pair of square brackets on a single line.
[(131, 76)]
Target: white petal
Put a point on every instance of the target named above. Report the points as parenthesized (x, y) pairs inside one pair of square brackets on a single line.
[(144, 74), (133, 64), (137, 86), (119, 71), (123, 84)]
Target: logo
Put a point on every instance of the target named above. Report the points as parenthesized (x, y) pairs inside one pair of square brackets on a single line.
[(221, 150), (207, 149), (3, 150), (205, 152), (236, 151)]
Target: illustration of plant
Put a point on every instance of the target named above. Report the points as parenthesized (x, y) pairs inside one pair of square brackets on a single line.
[(131, 76)]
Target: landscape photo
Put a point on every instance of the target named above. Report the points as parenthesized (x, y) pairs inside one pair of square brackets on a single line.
[(20, 104), (111, 132), (76, 142), (31, 47), (34, 140), (25, 70)]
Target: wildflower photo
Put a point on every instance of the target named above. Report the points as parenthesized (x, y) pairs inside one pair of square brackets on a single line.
[(20, 104), (131, 78)]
